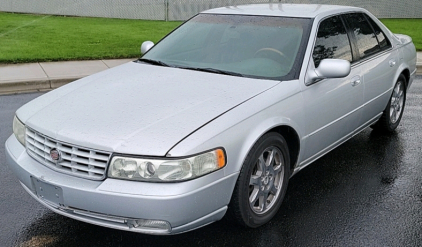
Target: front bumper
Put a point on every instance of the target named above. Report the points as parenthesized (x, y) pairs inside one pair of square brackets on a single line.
[(117, 203)]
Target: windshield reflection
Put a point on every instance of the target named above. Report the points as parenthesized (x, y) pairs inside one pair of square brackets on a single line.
[(251, 46)]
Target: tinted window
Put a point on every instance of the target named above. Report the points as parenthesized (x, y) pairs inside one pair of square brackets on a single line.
[(383, 41), (366, 40), (332, 41), (253, 46)]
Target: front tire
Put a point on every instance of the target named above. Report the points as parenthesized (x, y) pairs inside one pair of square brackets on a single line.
[(393, 112), (262, 182)]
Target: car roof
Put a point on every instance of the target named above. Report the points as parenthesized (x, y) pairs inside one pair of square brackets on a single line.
[(282, 9)]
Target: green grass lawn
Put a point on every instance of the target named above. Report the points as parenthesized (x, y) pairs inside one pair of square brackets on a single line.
[(411, 27), (35, 38)]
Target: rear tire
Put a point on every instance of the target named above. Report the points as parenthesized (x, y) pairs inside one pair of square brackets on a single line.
[(262, 182), (393, 112)]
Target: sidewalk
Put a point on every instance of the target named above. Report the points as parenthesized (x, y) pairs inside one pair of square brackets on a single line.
[(32, 77)]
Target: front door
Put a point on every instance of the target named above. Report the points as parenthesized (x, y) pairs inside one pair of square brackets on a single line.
[(332, 105)]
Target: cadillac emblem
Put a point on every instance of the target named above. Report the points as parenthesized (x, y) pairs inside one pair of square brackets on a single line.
[(55, 155)]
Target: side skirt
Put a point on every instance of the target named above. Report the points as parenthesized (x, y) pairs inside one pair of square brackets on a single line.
[(323, 152)]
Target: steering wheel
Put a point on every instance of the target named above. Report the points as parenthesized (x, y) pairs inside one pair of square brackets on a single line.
[(281, 54)]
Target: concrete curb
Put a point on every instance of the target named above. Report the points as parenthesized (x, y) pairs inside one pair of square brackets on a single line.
[(47, 76), (14, 87), (34, 77)]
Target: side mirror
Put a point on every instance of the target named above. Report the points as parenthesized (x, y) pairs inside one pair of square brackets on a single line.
[(146, 46), (329, 68)]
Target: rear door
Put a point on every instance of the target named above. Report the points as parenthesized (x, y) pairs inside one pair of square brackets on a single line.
[(377, 60)]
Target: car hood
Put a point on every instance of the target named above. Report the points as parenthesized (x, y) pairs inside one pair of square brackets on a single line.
[(137, 108)]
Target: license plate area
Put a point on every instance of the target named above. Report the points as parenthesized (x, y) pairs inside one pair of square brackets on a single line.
[(49, 193)]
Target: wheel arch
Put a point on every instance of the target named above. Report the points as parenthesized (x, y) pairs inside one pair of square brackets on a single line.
[(292, 138), (406, 73), (293, 142)]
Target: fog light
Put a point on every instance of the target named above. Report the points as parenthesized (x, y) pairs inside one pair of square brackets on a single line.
[(153, 225)]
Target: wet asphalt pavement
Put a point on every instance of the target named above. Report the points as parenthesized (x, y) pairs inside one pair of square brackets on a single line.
[(367, 192)]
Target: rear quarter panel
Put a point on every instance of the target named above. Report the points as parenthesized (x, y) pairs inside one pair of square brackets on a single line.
[(408, 56)]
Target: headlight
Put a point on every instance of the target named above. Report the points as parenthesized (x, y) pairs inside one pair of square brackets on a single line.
[(166, 170), (19, 130)]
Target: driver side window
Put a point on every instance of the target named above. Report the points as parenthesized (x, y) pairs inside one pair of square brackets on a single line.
[(332, 41)]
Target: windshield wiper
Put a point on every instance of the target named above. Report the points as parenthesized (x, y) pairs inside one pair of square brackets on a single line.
[(210, 70), (216, 71), (155, 62)]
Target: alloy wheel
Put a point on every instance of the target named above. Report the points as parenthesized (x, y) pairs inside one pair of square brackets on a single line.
[(397, 102), (266, 180)]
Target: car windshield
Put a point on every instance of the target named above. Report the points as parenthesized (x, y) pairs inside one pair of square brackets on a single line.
[(249, 46)]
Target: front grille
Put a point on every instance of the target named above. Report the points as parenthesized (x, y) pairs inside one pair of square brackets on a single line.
[(76, 161)]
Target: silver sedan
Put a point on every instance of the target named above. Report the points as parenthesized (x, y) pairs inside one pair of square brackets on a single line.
[(216, 117)]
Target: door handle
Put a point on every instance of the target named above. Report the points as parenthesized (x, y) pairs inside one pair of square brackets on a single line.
[(356, 81), (392, 62)]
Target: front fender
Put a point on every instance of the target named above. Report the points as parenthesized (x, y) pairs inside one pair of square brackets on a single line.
[(239, 129)]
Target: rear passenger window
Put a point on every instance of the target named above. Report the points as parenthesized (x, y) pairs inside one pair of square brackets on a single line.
[(382, 40), (332, 41), (365, 37)]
